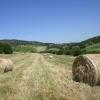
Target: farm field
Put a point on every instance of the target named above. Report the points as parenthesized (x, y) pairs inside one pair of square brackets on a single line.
[(41, 77), (29, 48), (95, 48)]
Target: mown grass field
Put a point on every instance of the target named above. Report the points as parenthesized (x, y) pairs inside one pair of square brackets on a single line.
[(39, 77)]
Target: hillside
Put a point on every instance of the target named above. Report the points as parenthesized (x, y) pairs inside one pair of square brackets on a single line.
[(22, 45), (15, 42), (95, 48), (92, 45), (87, 42), (87, 46), (29, 48), (91, 41), (25, 46)]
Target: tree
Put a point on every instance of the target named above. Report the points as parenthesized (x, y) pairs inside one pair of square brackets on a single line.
[(60, 52), (1, 48), (5, 48), (76, 50)]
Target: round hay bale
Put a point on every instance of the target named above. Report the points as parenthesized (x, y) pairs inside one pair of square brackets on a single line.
[(5, 65), (86, 69), (50, 56), (45, 54)]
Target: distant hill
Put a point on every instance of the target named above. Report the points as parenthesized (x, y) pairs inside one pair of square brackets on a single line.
[(90, 45), (25, 46), (15, 42), (95, 48), (91, 41), (87, 42)]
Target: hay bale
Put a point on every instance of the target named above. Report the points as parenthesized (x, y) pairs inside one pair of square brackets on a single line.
[(45, 54), (5, 65), (86, 69), (50, 56)]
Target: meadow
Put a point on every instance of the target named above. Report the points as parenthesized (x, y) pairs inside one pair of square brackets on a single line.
[(40, 77), (95, 48)]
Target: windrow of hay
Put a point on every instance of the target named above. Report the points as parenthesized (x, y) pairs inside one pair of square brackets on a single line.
[(86, 69), (5, 65)]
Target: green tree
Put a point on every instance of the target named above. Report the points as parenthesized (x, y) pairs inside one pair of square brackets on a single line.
[(1, 48), (7, 49), (76, 50)]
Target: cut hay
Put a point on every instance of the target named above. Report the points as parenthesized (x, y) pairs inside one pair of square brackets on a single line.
[(86, 69), (5, 65)]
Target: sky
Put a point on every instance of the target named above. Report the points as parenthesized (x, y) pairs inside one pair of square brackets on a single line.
[(57, 21)]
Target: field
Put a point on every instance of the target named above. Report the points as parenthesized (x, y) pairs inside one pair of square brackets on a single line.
[(95, 48), (41, 77), (29, 48)]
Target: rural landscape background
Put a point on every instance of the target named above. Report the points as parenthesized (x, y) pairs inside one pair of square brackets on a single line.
[(39, 40), (43, 71)]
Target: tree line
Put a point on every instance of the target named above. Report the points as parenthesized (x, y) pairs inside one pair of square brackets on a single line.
[(73, 49)]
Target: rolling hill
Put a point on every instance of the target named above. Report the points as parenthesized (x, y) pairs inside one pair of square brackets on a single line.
[(95, 48), (91, 45)]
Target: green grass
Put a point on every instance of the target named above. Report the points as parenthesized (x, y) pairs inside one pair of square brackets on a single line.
[(40, 48), (29, 48), (93, 48), (53, 49), (39, 77)]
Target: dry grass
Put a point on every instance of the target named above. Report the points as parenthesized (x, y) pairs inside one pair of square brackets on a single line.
[(36, 77)]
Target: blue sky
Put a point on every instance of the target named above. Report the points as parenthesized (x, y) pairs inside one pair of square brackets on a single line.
[(49, 20)]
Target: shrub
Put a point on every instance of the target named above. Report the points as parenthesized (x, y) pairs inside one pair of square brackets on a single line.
[(5, 48), (76, 50), (67, 52)]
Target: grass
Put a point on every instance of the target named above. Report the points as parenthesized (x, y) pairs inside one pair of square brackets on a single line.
[(29, 48), (93, 48), (39, 77), (40, 48), (60, 60)]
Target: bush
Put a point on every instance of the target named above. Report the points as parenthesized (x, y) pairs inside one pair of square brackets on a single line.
[(60, 52), (83, 51), (5, 48), (1, 48), (67, 52), (76, 50), (33, 50)]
